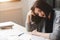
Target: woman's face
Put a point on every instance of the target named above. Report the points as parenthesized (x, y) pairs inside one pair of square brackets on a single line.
[(39, 12)]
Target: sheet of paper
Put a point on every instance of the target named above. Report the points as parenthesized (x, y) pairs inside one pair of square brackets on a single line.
[(37, 38), (31, 37)]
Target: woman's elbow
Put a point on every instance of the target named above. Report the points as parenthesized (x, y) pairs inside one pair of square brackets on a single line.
[(28, 27)]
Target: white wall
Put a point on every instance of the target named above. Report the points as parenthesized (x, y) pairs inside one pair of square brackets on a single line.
[(26, 6), (30, 3)]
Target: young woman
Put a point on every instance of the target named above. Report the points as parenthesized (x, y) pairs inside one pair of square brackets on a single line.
[(55, 35), (40, 17)]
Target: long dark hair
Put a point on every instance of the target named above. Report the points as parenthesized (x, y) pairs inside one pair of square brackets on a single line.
[(47, 9)]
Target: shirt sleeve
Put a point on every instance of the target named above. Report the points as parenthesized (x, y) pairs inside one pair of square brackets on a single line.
[(30, 26), (56, 30)]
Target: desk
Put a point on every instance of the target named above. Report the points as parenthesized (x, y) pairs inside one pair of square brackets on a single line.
[(12, 34)]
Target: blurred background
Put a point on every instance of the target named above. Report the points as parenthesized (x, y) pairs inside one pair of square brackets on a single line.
[(16, 10)]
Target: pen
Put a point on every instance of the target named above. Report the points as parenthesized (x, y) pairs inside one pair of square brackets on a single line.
[(20, 34)]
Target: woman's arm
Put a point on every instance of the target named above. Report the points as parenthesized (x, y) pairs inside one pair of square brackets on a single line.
[(29, 24), (28, 21), (45, 35)]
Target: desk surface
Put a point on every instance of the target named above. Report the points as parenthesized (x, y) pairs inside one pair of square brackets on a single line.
[(17, 29)]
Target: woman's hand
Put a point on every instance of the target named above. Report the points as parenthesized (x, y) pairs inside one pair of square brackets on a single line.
[(35, 33), (45, 35)]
